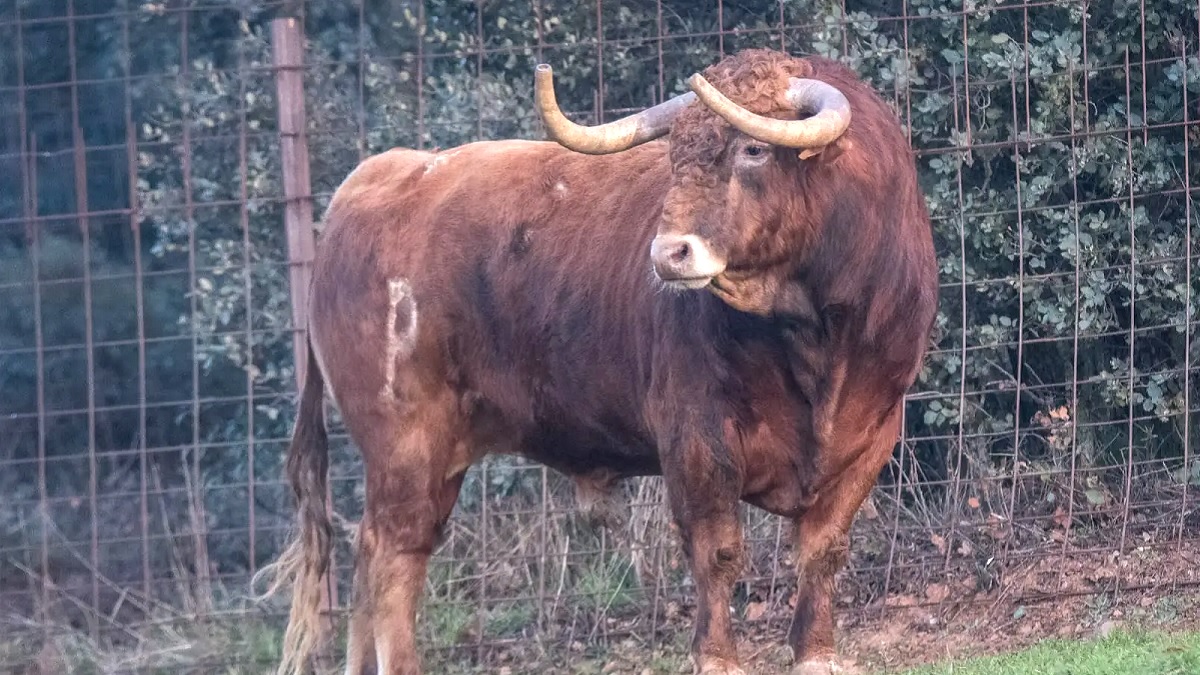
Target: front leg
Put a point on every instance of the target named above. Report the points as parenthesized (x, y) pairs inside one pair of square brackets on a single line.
[(704, 488), (822, 542)]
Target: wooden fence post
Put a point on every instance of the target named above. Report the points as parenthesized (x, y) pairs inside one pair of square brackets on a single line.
[(287, 42), (287, 48)]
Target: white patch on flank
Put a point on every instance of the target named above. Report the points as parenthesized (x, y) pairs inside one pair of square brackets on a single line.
[(560, 189), (401, 340)]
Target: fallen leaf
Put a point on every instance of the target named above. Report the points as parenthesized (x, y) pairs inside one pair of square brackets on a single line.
[(755, 611), (1061, 518), (869, 511), (904, 600), (937, 592), (939, 541)]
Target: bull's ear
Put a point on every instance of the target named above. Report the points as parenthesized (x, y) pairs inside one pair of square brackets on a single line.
[(827, 153), (811, 152)]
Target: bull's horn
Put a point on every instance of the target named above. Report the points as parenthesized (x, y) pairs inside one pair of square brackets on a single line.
[(831, 114), (614, 136)]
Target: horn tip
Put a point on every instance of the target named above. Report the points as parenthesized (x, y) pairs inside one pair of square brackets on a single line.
[(698, 82), (543, 78)]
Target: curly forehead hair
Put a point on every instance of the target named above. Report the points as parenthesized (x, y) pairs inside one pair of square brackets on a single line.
[(755, 80)]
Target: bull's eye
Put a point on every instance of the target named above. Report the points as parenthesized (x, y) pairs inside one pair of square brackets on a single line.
[(755, 150)]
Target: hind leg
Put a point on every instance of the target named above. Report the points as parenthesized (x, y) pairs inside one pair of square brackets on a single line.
[(413, 475), (360, 640)]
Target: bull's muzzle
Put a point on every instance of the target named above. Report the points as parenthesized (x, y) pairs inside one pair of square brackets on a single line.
[(684, 260)]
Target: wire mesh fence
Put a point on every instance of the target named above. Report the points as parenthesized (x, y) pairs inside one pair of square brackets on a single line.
[(162, 163)]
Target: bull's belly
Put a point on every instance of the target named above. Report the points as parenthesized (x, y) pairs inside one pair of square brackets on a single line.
[(578, 450), (777, 488)]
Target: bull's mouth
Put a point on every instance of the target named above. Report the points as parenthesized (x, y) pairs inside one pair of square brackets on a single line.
[(687, 283)]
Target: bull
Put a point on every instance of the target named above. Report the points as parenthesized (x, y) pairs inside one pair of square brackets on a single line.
[(732, 289)]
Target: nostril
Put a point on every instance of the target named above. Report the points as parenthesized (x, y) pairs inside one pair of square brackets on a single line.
[(684, 258), (681, 252)]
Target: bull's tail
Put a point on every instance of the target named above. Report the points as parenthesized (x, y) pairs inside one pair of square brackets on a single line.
[(306, 558)]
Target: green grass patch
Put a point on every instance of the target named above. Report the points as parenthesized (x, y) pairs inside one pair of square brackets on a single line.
[(608, 585), (226, 646), (1121, 653)]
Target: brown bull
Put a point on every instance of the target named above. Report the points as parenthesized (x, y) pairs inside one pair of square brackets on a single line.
[(498, 297)]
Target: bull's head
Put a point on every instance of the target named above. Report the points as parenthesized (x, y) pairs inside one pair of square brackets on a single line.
[(734, 165)]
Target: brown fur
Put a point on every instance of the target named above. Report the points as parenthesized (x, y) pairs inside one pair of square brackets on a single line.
[(498, 297)]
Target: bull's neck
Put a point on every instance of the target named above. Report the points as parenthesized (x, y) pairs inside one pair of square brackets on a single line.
[(708, 325)]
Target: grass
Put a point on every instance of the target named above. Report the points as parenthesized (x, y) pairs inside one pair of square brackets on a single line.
[(222, 647), (250, 644), (1121, 653)]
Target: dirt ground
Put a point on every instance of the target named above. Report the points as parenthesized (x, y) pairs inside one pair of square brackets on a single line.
[(1077, 596)]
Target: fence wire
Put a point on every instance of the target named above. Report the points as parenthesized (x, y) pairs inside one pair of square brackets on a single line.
[(156, 168)]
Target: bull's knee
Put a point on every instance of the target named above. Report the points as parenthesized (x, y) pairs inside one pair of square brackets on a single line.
[(823, 556), (729, 560)]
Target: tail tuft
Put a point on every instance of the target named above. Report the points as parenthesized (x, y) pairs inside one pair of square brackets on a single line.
[(306, 559)]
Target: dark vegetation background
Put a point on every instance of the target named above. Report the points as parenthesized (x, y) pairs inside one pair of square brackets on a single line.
[(146, 375)]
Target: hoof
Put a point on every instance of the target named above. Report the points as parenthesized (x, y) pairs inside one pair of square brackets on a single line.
[(828, 666)]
